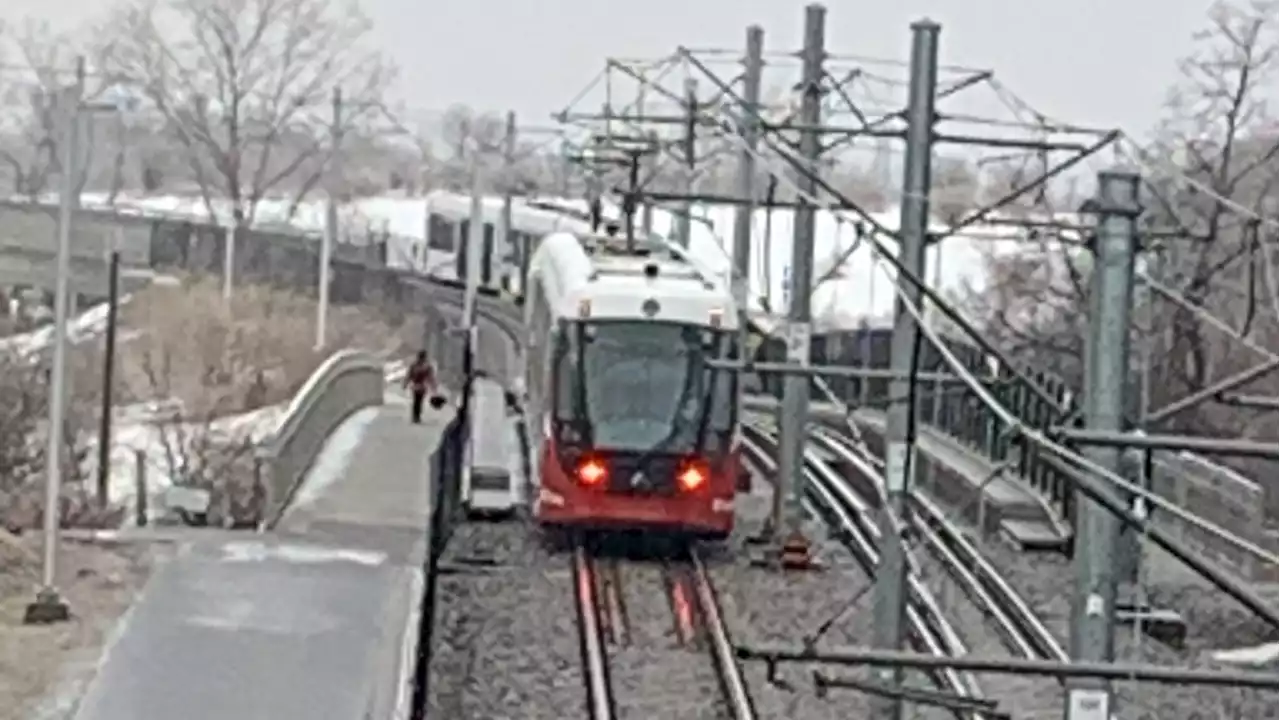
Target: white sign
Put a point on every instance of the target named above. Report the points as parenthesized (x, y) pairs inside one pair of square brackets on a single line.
[(799, 336), (896, 466), (1088, 705)]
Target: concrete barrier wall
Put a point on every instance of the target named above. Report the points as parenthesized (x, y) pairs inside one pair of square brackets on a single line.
[(348, 381)]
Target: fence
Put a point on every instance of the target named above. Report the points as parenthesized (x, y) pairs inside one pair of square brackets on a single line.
[(1208, 489)]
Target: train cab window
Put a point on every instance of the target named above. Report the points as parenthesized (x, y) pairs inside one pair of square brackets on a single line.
[(645, 386)]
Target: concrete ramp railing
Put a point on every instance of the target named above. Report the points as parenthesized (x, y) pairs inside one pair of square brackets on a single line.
[(347, 381)]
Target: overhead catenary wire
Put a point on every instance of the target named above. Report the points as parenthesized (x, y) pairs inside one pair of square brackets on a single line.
[(1030, 434), (1015, 424)]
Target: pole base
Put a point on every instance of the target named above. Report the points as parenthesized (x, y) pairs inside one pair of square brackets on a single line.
[(47, 609), (796, 553)]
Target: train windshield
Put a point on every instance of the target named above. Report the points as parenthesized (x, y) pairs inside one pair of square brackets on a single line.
[(645, 386)]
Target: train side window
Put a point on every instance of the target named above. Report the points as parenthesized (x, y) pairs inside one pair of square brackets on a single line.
[(441, 233)]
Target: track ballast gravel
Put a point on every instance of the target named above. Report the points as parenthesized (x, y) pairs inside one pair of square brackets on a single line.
[(767, 605), (1214, 622)]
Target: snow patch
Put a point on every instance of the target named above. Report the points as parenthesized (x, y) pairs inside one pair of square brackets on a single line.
[(256, 552), (335, 457), (1260, 655)]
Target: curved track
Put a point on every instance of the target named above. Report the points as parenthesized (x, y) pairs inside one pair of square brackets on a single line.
[(993, 618), (850, 516)]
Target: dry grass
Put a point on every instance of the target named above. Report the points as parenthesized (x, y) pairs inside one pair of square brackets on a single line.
[(185, 352), (218, 357), (36, 662)]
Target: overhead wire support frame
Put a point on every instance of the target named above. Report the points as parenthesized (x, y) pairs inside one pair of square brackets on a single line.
[(1245, 595), (890, 258)]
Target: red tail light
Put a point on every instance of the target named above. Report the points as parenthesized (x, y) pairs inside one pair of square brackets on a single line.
[(592, 472), (691, 476)]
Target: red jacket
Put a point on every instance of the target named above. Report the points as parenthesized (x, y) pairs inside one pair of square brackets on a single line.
[(421, 377)]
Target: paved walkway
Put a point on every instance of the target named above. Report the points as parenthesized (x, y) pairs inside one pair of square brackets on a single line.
[(316, 620)]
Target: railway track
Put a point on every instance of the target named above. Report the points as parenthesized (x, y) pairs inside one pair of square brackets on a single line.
[(850, 516), (995, 617), (639, 654)]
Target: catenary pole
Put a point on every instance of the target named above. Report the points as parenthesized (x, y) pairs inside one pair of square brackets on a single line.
[(794, 410), (900, 421), (1097, 532)]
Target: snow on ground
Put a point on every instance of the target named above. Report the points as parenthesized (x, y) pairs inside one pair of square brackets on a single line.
[(86, 325), (135, 430), (335, 456)]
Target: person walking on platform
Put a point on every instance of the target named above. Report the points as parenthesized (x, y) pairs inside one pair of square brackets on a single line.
[(420, 379)]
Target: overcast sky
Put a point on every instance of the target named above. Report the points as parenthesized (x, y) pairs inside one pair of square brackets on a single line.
[(1102, 62)]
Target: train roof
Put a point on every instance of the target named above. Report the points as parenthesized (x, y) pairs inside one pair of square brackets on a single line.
[(525, 217), (598, 276)]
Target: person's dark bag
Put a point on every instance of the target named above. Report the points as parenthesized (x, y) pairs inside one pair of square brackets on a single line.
[(437, 401)]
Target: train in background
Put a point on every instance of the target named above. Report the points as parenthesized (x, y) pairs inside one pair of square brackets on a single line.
[(631, 426), (444, 252)]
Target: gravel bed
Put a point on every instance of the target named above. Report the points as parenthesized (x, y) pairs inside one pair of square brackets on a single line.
[(652, 675), (1214, 621), (506, 639), (1029, 698), (766, 605)]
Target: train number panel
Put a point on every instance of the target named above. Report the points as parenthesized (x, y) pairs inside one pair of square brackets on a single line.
[(635, 429)]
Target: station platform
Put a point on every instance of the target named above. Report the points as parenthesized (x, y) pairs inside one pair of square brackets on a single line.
[(316, 619), (957, 475)]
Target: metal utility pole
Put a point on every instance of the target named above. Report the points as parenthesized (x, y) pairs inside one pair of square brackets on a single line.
[(49, 605), (108, 378), (900, 420), (750, 130), (510, 251), (684, 219), (1097, 531), (330, 219), (794, 409), (646, 210), (474, 241), (228, 260)]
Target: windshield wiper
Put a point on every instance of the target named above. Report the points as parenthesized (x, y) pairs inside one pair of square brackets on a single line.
[(678, 423)]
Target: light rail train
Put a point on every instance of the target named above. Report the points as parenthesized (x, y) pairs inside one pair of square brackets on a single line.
[(631, 427)]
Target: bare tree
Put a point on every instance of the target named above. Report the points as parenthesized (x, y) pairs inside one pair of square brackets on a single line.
[(955, 188), (242, 87), (41, 68), (1211, 172), (1221, 133)]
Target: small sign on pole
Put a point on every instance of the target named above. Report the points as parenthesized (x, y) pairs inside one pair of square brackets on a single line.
[(1088, 704)]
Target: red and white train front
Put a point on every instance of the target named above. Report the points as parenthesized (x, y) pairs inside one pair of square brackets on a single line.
[(639, 432)]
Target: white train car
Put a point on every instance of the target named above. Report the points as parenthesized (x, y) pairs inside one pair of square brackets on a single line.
[(632, 426), (448, 230)]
